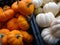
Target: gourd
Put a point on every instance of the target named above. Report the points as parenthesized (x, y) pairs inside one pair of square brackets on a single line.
[(44, 19), (27, 37), (23, 23), (26, 8), (55, 22), (15, 7), (12, 24), (38, 10), (6, 14), (51, 7), (4, 33), (37, 3), (15, 38), (48, 36), (56, 31)]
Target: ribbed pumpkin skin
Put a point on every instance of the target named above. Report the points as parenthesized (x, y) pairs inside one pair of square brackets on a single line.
[(27, 37), (4, 33), (12, 24), (15, 38), (6, 15), (22, 23), (45, 20), (15, 7), (25, 8)]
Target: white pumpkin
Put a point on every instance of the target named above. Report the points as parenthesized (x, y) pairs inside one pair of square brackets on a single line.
[(51, 7), (44, 20), (59, 5), (37, 3), (48, 37), (56, 30), (56, 21), (38, 10)]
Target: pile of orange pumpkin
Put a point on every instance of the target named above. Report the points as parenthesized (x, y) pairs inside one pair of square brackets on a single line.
[(14, 24)]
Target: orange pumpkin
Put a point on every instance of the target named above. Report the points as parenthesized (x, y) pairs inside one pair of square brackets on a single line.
[(6, 14), (15, 38), (22, 23), (26, 8), (4, 33), (15, 7), (12, 24), (27, 37)]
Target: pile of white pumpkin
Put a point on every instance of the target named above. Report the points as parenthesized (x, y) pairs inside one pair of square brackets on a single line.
[(46, 12)]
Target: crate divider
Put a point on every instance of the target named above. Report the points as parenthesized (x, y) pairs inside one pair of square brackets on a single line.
[(37, 30), (33, 29)]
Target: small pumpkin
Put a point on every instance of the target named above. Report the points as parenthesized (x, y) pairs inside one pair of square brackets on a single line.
[(15, 7), (56, 30), (23, 23), (55, 22), (4, 33), (27, 37), (6, 14), (26, 8), (51, 7), (15, 38), (48, 36), (45, 19), (12, 24)]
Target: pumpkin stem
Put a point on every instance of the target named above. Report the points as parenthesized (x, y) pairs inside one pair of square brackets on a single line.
[(17, 36), (29, 4), (18, 1), (1, 35)]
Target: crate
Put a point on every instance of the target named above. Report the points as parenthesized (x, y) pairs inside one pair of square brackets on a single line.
[(40, 29)]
